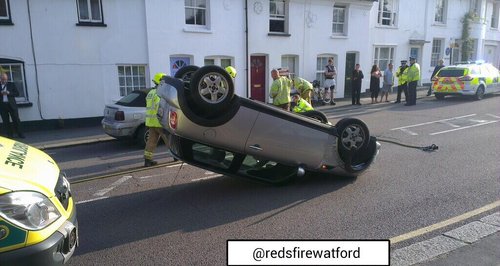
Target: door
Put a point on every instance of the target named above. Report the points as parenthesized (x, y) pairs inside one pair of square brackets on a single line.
[(350, 62), (258, 78), (178, 62)]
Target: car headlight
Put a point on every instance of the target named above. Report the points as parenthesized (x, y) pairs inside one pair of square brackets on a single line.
[(28, 210)]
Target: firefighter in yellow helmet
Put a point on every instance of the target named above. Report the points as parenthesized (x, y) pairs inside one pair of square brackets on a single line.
[(152, 123), (232, 71)]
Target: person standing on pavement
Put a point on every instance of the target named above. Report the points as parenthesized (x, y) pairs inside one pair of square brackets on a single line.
[(303, 87), (413, 78), (436, 69), (401, 74), (152, 123), (280, 90), (8, 107), (375, 83), (356, 79), (330, 74), (388, 82)]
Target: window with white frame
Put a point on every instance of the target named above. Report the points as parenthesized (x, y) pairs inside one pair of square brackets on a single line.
[(321, 62), (131, 78), (440, 15), (494, 16), (89, 11), (290, 62), (15, 71), (475, 6), (278, 16), (387, 12), (339, 20), (383, 56), (196, 12), (222, 61), (437, 51), (5, 12)]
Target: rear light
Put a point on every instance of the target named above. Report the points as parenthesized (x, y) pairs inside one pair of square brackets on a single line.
[(465, 78), (119, 116), (172, 118)]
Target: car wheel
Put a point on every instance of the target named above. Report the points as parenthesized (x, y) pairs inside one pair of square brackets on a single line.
[(212, 88), (479, 93), (316, 115), (185, 74), (353, 134), (439, 96), (142, 136)]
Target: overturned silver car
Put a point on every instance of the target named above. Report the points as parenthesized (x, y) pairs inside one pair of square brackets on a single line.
[(215, 129)]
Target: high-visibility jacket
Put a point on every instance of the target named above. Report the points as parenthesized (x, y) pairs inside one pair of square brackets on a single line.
[(302, 85), (302, 106), (402, 74), (414, 72), (280, 90), (152, 104)]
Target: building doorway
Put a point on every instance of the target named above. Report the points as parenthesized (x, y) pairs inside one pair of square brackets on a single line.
[(258, 78), (350, 62)]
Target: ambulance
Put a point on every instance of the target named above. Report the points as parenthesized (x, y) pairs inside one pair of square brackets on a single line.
[(38, 224), (468, 79)]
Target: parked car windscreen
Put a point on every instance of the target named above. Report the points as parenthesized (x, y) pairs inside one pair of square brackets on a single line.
[(134, 99), (452, 72)]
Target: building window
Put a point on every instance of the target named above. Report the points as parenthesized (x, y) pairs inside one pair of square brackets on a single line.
[(89, 12), (131, 78), (475, 7), (437, 48), (196, 12), (278, 16), (494, 16), (387, 12), (15, 72), (321, 62), (5, 13), (383, 56), (440, 15), (222, 61), (289, 62), (339, 20)]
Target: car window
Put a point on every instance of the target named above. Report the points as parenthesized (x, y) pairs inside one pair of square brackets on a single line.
[(134, 99), (265, 169), (451, 72), (212, 156), (474, 70), (492, 70)]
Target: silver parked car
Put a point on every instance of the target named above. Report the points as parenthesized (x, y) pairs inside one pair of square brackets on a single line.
[(125, 119), (213, 128)]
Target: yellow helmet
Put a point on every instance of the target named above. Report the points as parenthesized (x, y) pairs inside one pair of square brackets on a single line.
[(232, 71), (157, 78)]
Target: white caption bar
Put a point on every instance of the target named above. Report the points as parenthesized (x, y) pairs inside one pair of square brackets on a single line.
[(308, 252)]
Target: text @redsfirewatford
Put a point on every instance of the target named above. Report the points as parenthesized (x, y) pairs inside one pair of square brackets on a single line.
[(308, 252)]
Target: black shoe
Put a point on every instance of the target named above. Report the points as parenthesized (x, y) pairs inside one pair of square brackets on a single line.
[(397, 102), (332, 103), (21, 135), (148, 163), (358, 104), (428, 94)]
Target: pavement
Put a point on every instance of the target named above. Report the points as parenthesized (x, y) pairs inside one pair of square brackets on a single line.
[(475, 243)]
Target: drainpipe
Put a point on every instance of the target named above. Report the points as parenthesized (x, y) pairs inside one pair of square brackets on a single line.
[(39, 104), (246, 49)]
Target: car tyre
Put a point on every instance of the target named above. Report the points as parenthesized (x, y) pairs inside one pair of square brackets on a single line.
[(142, 136), (479, 93), (212, 89), (186, 73), (353, 140), (316, 115), (439, 96)]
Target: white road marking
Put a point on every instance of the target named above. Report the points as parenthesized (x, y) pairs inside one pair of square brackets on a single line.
[(206, 177), (409, 131), (118, 182), (432, 122), (90, 200), (492, 115), (460, 128), (449, 123)]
